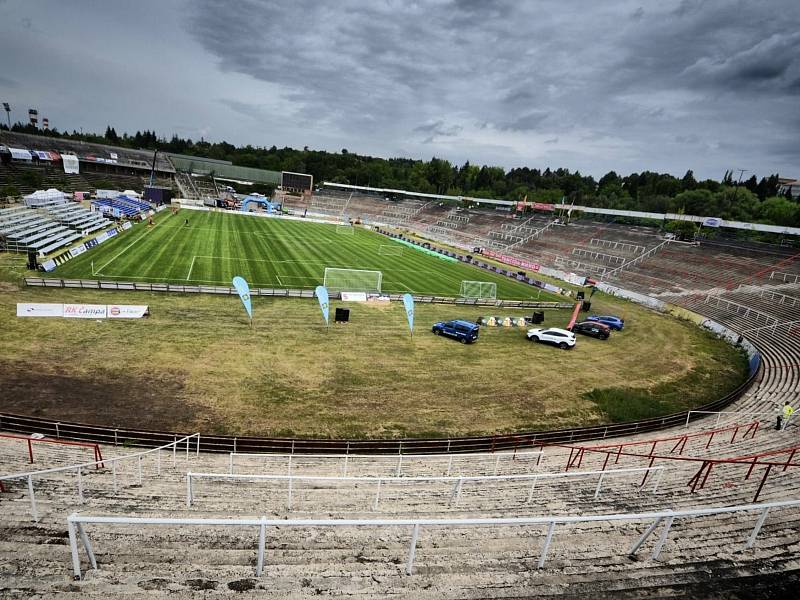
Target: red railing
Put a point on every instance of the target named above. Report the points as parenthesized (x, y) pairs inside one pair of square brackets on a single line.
[(98, 456)]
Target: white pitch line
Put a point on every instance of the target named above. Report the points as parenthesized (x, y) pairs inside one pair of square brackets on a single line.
[(190, 268), (279, 279), (125, 249)]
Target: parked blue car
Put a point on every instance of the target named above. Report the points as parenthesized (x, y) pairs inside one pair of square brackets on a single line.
[(614, 322), (464, 331)]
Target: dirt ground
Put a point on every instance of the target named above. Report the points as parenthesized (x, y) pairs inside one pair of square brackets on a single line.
[(116, 401)]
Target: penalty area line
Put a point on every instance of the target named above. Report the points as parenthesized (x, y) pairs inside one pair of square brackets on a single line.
[(191, 267)]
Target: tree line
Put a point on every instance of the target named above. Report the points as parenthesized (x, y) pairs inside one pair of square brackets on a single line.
[(751, 199)]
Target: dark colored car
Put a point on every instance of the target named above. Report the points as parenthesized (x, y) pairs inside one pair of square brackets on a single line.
[(465, 332), (614, 322), (592, 329)]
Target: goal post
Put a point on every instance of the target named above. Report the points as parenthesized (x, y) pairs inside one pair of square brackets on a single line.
[(345, 230), (352, 280), (390, 250), (478, 289)]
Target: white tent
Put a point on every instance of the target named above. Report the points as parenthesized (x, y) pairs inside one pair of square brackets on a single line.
[(42, 197), (131, 194)]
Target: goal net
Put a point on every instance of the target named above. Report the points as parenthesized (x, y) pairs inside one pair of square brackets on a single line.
[(345, 229), (352, 280), (478, 289), (390, 250)]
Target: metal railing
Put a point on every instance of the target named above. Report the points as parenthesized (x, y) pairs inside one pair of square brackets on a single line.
[(721, 413), (396, 460), (457, 481), (75, 527), (102, 463)]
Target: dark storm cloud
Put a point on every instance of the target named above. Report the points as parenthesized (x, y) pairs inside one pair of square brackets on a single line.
[(438, 129), (622, 85)]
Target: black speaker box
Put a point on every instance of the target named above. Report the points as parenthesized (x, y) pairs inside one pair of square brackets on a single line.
[(342, 315)]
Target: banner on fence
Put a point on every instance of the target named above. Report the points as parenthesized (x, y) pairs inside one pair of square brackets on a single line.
[(543, 206), (510, 260), (354, 296), (83, 311)]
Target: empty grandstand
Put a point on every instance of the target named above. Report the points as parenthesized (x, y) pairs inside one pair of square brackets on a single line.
[(121, 206)]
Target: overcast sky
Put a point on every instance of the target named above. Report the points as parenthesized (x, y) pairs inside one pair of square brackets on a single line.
[(591, 85)]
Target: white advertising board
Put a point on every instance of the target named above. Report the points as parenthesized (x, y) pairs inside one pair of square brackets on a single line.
[(127, 311), (85, 311), (35, 309), (354, 296), (77, 250)]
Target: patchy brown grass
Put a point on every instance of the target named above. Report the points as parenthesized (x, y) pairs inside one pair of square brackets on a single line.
[(196, 364)]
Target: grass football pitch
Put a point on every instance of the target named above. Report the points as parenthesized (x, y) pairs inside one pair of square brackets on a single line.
[(273, 253)]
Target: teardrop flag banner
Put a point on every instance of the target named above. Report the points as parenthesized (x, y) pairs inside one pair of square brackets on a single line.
[(408, 302), (322, 295), (244, 293)]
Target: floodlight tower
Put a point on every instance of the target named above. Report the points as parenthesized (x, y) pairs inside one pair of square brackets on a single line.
[(7, 108)]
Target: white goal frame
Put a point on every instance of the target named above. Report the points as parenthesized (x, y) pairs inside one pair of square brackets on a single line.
[(478, 289), (345, 230), (390, 250), (352, 280)]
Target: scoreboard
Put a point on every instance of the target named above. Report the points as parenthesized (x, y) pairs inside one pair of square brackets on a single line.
[(296, 182)]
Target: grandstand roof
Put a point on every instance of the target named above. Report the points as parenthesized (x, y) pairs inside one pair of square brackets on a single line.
[(223, 169)]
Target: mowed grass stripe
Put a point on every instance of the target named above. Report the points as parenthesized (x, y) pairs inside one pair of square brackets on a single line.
[(273, 253)]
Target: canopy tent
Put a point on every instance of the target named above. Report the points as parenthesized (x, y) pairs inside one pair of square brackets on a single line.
[(42, 197), (71, 164), (131, 194), (20, 153)]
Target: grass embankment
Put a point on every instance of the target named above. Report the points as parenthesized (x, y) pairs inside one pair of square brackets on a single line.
[(196, 365)]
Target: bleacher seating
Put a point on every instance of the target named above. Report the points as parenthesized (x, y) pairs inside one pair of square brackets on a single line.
[(127, 207)]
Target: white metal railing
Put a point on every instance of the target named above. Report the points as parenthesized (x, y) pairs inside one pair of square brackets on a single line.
[(755, 332), (721, 413), (639, 258), (741, 309), (598, 255), (454, 495), (78, 468), (785, 277), (396, 460), (782, 299), (75, 527), (624, 246)]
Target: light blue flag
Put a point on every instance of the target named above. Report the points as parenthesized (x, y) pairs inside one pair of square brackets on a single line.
[(244, 293), (408, 302), (322, 295)]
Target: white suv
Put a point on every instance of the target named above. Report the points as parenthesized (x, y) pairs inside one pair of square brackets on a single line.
[(560, 337)]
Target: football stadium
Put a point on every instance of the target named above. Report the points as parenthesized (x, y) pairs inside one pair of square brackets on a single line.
[(228, 370)]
